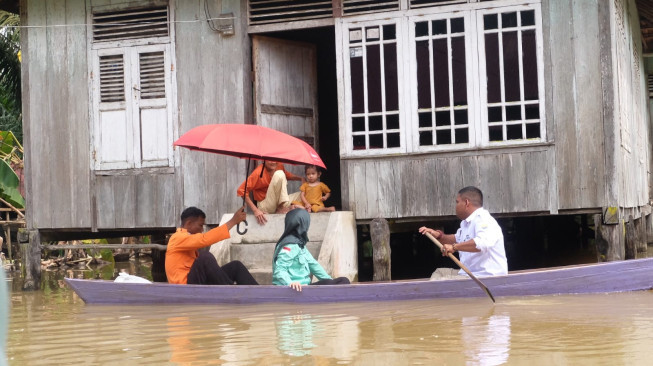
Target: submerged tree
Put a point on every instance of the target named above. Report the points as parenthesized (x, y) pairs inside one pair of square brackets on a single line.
[(10, 90)]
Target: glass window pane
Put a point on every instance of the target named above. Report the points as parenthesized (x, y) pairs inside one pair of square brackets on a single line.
[(372, 34), (496, 133), (532, 111), (393, 140), (529, 57), (457, 25), (492, 68), (376, 141), (389, 32), (425, 138), (423, 74), (359, 142), (358, 124), (392, 122), (443, 137), (373, 78), (421, 29), (376, 123), (439, 27), (459, 71), (461, 135), (508, 20), (494, 114), (460, 116), (490, 21), (527, 18), (511, 67), (357, 96), (513, 113), (443, 118), (355, 35), (533, 131), (425, 119), (441, 72), (514, 132), (391, 82)]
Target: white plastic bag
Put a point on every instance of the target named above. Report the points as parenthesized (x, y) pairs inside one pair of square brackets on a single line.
[(127, 278)]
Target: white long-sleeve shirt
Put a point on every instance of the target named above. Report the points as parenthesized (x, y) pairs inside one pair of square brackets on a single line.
[(487, 234)]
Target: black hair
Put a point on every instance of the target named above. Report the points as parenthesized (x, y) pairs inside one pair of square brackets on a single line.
[(191, 212), (309, 166), (473, 194)]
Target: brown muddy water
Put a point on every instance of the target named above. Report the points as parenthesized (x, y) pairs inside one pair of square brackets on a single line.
[(54, 327)]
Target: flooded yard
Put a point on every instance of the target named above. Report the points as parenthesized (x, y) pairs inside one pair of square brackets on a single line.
[(53, 327)]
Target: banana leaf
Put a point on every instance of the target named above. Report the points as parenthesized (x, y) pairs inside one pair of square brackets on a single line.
[(8, 143), (9, 186)]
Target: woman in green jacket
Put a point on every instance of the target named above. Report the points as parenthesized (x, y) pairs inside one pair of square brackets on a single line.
[(293, 264)]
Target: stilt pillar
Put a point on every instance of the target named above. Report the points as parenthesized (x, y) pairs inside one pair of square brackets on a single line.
[(631, 239), (609, 239), (159, 259), (380, 233), (640, 233), (31, 261)]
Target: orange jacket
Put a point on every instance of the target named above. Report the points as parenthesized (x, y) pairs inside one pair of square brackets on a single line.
[(182, 251), (258, 184)]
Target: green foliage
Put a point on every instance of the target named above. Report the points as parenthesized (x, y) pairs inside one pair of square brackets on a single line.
[(9, 186), (10, 84)]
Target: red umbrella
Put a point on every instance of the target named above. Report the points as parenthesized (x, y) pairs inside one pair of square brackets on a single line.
[(250, 142)]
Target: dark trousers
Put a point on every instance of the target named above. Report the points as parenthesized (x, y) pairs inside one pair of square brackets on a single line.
[(335, 281), (206, 271)]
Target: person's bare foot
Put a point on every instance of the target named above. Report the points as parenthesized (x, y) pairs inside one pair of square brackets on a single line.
[(330, 209), (283, 210)]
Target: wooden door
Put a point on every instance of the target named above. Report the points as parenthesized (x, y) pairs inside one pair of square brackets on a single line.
[(285, 88)]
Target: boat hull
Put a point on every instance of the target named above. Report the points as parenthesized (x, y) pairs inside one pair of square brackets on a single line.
[(618, 276)]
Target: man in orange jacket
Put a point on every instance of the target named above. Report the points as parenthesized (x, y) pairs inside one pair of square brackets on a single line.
[(185, 265)]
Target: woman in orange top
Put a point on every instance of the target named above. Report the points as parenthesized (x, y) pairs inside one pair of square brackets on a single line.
[(185, 265), (269, 186)]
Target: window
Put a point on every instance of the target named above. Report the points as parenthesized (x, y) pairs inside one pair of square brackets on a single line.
[(374, 83), (474, 79), (132, 89)]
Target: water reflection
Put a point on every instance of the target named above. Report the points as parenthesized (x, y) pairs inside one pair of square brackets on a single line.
[(486, 339)]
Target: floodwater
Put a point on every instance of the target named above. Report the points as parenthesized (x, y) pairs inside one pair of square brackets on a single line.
[(54, 327)]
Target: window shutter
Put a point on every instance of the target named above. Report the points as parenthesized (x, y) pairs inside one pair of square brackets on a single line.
[(130, 24), (352, 7), (152, 74), (112, 78), (650, 85), (279, 11)]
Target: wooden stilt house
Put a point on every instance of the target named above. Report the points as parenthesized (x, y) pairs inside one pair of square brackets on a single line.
[(542, 104)]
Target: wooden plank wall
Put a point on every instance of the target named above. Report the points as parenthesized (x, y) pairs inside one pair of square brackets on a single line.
[(631, 107), (55, 105), (575, 83), (426, 186), (213, 86)]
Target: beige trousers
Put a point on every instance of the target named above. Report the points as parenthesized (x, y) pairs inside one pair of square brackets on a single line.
[(277, 194)]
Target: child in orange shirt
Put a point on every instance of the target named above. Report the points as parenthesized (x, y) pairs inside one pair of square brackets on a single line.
[(314, 192)]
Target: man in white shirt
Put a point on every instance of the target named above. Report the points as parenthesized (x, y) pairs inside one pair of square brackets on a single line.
[(479, 239)]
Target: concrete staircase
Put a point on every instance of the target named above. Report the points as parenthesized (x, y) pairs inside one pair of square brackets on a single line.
[(332, 241)]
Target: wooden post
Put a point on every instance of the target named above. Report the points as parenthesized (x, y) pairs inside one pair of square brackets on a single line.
[(640, 234), (609, 240), (8, 241), (649, 229), (631, 239), (380, 233), (31, 261), (159, 259)]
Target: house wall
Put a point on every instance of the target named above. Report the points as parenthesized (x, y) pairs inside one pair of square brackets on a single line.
[(213, 86)]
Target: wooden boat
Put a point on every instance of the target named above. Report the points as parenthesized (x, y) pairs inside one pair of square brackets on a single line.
[(618, 276)]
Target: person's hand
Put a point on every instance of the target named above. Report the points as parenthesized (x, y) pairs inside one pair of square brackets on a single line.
[(436, 233), (238, 217), (447, 249), (308, 207), (260, 217), (323, 198), (296, 286)]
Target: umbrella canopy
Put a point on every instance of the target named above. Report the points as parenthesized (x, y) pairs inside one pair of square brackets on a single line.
[(250, 142)]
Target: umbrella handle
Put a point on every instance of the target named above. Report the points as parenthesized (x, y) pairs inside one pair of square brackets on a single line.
[(238, 228)]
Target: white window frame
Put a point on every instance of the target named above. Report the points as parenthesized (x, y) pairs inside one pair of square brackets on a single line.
[(130, 49), (407, 74), (346, 87)]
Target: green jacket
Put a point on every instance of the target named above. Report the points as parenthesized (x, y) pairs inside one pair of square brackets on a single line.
[(295, 264)]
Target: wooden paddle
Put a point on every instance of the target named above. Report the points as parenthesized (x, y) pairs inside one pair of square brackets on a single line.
[(453, 258)]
